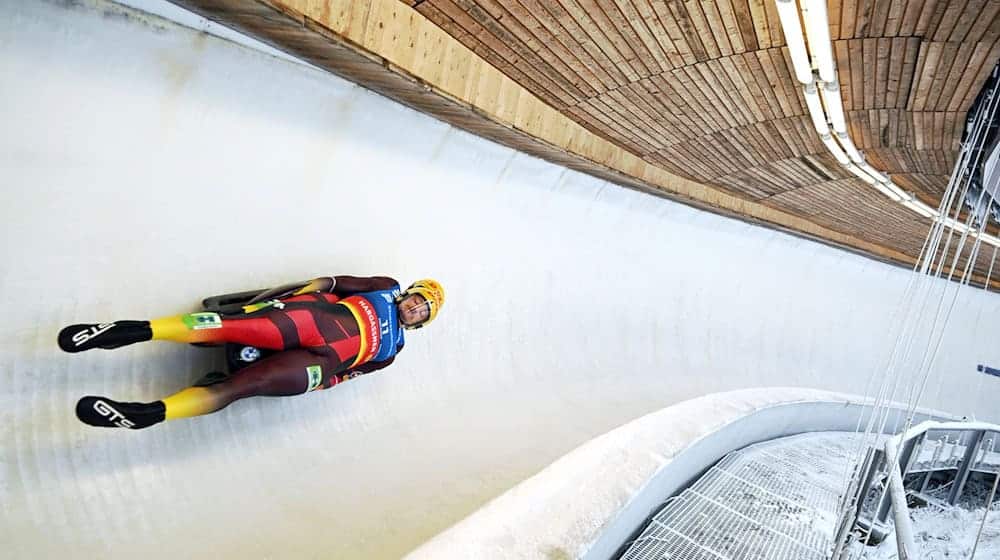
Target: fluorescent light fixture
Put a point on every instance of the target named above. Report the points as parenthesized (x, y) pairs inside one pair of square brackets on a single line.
[(871, 171), (788, 13), (882, 188), (919, 208), (815, 109), (991, 239), (818, 32), (905, 195), (861, 174), (954, 224), (828, 112), (834, 106), (852, 152), (835, 149), (983, 236)]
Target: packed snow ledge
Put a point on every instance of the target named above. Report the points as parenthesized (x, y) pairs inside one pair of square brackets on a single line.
[(589, 502)]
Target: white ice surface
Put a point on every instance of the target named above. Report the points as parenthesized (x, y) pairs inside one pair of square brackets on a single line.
[(145, 166)]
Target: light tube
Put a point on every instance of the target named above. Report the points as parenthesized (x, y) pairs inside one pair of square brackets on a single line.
[(849, 147), (818, 32), (816, 109), (905, 195), (882, 188), (861, 174), (919, 208), (834, 106), (955, 224), (991, 239), (788, 13), (871, 171), (835, 149)]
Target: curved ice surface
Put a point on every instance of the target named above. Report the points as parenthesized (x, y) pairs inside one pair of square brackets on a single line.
[(146, 166)]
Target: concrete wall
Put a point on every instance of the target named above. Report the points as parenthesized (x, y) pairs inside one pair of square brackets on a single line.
[(145, 166)]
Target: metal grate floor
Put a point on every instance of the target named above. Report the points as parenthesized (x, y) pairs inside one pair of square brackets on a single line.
[(774, 500)]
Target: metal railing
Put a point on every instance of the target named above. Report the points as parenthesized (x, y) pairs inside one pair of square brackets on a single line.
[(907, 467), (774, 500)]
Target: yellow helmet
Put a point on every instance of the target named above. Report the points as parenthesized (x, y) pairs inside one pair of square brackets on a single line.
[(432, 292)]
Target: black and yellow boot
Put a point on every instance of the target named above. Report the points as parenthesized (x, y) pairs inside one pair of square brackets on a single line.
[(77, 338), (106, 413)]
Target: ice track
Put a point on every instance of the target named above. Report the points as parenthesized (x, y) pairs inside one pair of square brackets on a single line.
[(145, 165)]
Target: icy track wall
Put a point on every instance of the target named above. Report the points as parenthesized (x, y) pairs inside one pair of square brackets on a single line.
[(145, 166)]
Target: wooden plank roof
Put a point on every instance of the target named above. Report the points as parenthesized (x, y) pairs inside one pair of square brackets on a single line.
[(691, 99), (705, 89)]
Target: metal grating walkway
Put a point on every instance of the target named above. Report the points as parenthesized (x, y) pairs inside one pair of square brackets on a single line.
[(770, 501)]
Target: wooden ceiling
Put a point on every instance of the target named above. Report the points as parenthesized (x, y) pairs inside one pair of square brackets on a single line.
[(690, 99), (706, 90)]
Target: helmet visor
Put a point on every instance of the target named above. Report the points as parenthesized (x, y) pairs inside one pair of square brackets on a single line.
[(414, 310)]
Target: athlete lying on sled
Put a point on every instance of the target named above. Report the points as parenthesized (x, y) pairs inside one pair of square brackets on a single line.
[(321, 332)]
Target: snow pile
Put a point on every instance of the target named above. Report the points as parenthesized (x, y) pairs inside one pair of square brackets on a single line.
[(942, 534)]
